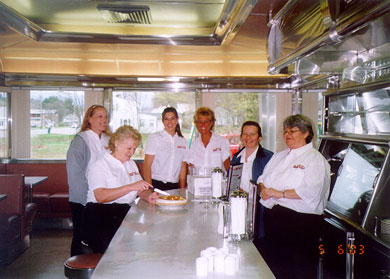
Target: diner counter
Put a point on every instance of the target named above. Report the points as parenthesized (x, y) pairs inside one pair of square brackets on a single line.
[(156, 243)]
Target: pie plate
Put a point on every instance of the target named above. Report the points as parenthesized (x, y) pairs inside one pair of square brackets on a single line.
[(171, 207), (171, 204)]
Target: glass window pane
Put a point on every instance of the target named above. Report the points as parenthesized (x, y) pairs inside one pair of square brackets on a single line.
[(356, 179), (142, 110), (231, 110), (4, 140), (55, 117)]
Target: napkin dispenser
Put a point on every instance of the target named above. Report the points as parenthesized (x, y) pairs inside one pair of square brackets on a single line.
[(240, 218), (199, 186)]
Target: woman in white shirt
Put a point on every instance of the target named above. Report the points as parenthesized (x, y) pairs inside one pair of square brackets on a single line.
[(209, 149), (114, 183), (166, 153), (86, 147), (294, 188)]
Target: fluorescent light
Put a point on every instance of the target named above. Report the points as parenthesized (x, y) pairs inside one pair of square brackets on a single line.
[(150, 79), (174, 79), (197, 62), (171, 79), (43, 58), (248, 61)]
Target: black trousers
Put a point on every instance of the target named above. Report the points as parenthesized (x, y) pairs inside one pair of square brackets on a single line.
[(78, 211), (290, 245), (102, 221), (164, 186)]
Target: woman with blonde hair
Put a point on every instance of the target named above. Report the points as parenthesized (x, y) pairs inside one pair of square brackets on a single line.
[(209, 149), (114, 183), (86, 147)]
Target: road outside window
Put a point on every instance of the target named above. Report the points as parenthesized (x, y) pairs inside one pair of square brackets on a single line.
[(55, 117)]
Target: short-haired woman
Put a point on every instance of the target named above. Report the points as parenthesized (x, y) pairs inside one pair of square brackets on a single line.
[(294, 189), (254, 159), (114, 183), (86, 147), (209, 149), (166, 153)]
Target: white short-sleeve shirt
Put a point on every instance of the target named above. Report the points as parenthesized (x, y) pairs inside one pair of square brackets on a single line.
[(303, 169), (213, 155), (169, 153), (97, 145), (108, 172), (246, 175)]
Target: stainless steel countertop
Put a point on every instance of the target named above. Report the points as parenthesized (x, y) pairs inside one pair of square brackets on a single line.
[(153, 243)]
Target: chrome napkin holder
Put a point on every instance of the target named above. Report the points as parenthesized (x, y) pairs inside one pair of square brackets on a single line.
[(239, 225)]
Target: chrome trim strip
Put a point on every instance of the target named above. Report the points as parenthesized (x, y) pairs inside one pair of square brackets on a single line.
[(20, 24), (381, 174), (337, 216), (382, 84), (107, 38), (274, 68), (234, 15), (310, 80), (187, 83), (384, 140)]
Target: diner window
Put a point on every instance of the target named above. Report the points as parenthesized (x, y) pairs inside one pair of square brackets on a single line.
[(55, 117), (4, 129), (231, 110), (144, 109)]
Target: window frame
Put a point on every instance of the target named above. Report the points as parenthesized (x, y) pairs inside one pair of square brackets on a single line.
[(8, 120), (103, 96)]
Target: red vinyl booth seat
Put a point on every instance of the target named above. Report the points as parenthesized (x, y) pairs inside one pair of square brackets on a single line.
[(51, 195), (16, 217)]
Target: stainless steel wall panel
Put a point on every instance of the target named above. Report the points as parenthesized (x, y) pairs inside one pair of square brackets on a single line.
[(328, 35)]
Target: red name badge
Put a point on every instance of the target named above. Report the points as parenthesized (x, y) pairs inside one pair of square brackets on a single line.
[(299, 167)]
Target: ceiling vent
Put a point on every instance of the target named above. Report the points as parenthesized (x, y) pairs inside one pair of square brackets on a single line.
[(125, 14)]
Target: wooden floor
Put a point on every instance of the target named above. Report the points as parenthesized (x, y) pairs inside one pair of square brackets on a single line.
[(49, 248)]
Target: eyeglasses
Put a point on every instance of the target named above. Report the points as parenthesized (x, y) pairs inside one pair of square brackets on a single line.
[(290, 132)]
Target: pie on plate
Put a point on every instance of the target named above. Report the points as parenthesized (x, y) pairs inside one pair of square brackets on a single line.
[(172, 200)]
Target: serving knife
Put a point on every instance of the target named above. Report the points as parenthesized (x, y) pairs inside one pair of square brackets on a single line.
[(161, 192)]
